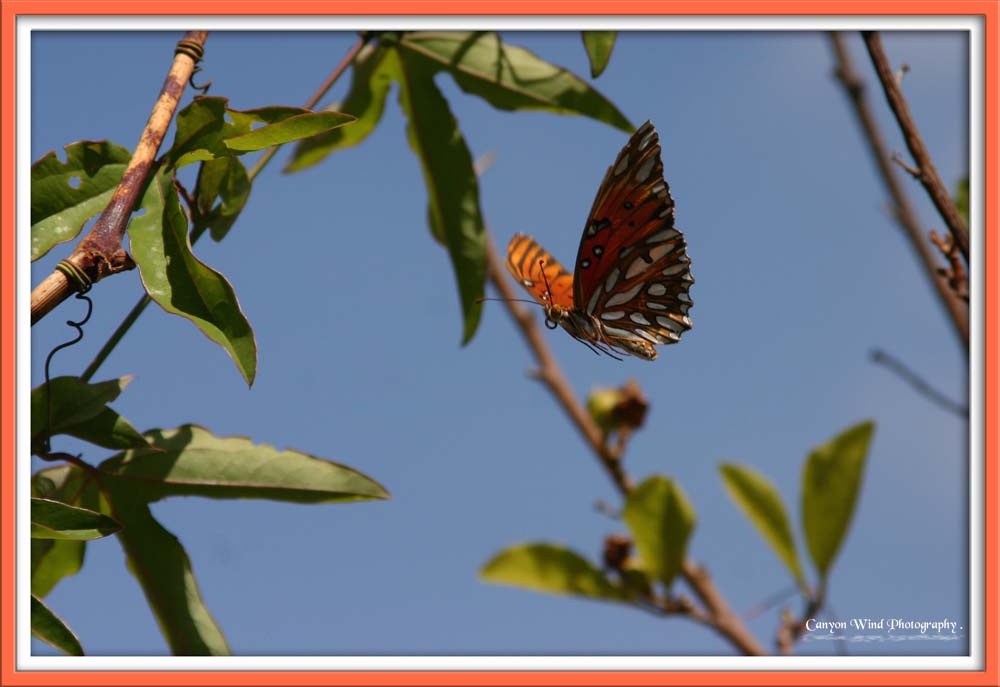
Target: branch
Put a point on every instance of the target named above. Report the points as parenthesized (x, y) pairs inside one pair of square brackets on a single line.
[(882, 358), (100, 253), (717, 613), (926, 172), (903, 211)]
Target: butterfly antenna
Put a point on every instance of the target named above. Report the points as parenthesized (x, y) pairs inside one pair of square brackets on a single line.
[(548, 289)]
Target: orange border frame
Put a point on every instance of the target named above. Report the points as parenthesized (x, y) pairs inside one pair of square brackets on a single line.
[(11, 9)]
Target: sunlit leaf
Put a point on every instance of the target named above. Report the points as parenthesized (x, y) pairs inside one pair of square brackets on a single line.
[(661, 520), (64, 195), (551, 569), (509, 77), (183, 285), (452, 188), (831, 479), (55, 520), (190, 461), (763, 506), (73, 401), (370, 82), (50, 628), (599, 45)]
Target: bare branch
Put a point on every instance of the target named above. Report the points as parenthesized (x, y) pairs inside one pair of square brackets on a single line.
[(902, 210), (928, 174), (100, 253)]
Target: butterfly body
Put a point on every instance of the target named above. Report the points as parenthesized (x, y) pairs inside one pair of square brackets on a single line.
[(630, 287)]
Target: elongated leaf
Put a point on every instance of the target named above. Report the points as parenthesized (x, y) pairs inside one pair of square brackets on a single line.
[(55, 520), (107, 429), (73, 402), (65, 195), (50, 628), (549, 568), (190, 461), (509, 77), (292, 128), (158, 561), (452, 188), (661, 520), (52, 559), (208, 129), (762, 504), (370, 82), (599, 45), (831, 479), (183, 285), (224, 179)]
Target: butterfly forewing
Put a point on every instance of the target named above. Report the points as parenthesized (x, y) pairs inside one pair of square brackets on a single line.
[(632, 269), (539, 273)]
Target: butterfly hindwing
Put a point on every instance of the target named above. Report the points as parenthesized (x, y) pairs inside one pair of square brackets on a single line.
[(538, 272)]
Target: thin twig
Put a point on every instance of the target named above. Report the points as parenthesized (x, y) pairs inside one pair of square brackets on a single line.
[(928, 174), (956, 275), (145, 300), (100, 253), (903, 211), (716, 613), (880, 357)]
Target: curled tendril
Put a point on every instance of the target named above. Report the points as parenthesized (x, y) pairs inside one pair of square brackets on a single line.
[(45, 445)]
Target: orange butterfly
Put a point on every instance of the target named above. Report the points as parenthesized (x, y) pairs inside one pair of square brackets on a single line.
[(630, 287)]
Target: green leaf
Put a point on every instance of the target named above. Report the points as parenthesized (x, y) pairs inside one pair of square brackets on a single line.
[(159, 562), (452, 187), (54, 520), (661, 520), (208, 129), (370, 82), (50, 628), (65, 195), (295, 127), (53, 559), (509, 77), (598, 45), (762, 505), (107, 429), (190, 461), (551, 569), (74, 401), (831, 479), (183, 285), (224, 179), (962, 198)]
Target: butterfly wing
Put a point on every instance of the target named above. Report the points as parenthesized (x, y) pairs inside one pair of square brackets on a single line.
[(632, 268), (538, 272)]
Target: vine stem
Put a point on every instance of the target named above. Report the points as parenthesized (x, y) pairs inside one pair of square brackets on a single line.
[(926, 173), (145, 300), (716, 613), (902, 209)]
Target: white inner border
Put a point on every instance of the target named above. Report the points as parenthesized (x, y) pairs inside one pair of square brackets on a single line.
[(974, 25)]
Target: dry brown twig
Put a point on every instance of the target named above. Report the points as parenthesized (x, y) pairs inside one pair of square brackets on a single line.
[(714, 612), (925, 172), (902, 209), (100, 253)]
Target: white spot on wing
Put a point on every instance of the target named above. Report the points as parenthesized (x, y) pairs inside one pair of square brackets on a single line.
[(657, 290), (622, 164), (622, 333), (620, 298), (527, 282), (637, 267), (684, 297), (613, 315), (663, 235), (647, 139), (593, 301), (612, 279), (660, 190), (638, 318), (674, 269), (645, 168), (669, 323), (655, 306), (657, 252), (651, 337)]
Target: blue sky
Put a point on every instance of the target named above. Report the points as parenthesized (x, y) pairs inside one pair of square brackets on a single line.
[(800, 273)]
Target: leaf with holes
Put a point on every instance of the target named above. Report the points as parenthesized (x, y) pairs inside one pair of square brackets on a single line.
[(370, 82), (64, 195), (761, 503), (598, 45), (551, 569), (452, 188), (509, 77), (191, 461), (661, 520), (831, 480), (183, 285), (50, 628), (54, 520)]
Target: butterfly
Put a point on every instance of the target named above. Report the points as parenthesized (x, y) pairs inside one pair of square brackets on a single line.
[(629, 290)]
